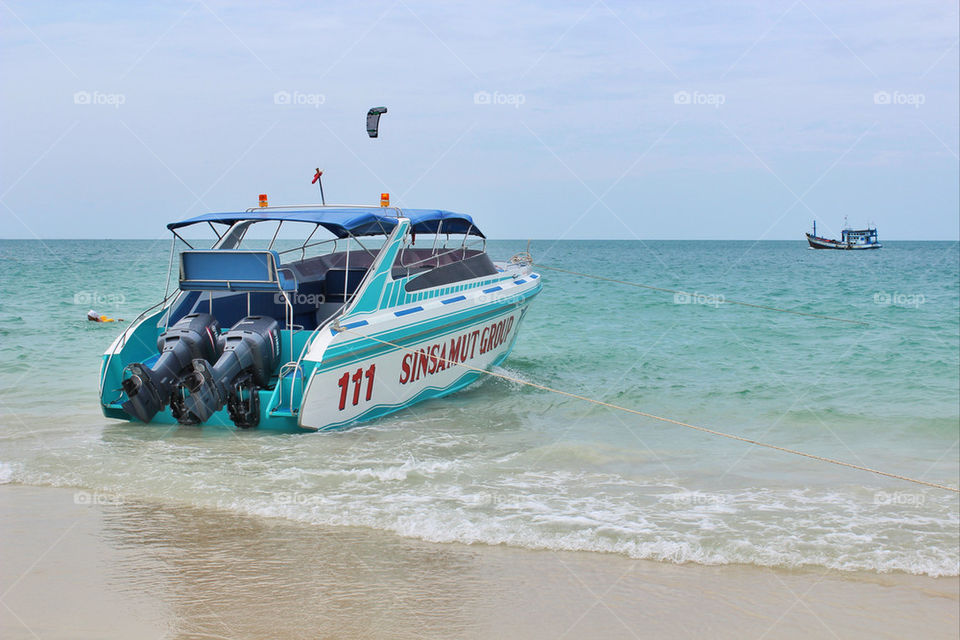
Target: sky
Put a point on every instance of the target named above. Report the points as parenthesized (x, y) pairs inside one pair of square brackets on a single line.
[(594, 119)]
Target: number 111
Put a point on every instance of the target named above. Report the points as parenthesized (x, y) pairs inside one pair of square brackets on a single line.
[(357, 378)]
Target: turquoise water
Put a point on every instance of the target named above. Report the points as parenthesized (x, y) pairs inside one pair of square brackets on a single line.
[(505, 463)]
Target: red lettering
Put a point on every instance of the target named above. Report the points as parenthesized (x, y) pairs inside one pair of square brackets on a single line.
[(357, 378), (433, 359), (437, 357), (370, 373), (455, 348), (422, 358), (484, 340), (442, 362), (343, 382)]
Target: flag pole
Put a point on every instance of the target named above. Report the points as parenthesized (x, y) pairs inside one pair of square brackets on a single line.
[(317, 177)]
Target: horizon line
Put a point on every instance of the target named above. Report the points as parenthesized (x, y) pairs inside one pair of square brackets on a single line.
[(48, 239)]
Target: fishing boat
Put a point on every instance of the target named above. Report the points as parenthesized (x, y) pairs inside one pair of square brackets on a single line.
[(850, 239), (320, 331)]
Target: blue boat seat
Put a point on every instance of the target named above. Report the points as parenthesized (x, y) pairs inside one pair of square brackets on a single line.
[(340, 283), (234, 271)]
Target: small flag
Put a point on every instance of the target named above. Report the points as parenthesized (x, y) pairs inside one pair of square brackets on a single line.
[(316, 176)]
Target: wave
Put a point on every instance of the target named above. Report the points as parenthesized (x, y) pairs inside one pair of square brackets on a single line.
[(850, 530), (531, 522)]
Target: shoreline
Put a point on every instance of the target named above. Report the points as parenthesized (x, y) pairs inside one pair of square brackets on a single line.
[(134, 569)]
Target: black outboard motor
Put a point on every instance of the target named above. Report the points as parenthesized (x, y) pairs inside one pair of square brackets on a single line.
[(148, 389), (250, 354)]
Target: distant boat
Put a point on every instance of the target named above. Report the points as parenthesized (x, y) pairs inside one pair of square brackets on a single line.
[(849, 239)]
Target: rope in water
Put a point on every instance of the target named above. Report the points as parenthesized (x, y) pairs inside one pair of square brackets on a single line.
[(725, 301), (731, 436)]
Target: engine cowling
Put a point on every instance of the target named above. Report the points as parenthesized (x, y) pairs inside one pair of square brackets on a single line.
[(251, 352), (194, 337)]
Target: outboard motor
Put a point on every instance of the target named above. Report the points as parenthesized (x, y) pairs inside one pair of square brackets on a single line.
[(148, 389), (250, 354)]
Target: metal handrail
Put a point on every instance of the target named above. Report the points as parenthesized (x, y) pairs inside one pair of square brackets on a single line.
[(432, 257), (317, 206)]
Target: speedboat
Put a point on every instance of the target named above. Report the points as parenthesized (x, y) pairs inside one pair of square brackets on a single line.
[(293, 317)]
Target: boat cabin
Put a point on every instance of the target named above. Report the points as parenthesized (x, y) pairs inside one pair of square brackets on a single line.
[(304, 264), (859, 236)]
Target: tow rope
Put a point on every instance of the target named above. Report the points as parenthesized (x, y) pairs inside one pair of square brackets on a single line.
[(714, 432)]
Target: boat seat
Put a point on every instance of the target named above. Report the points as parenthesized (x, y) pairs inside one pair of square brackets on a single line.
[(234, 271), (339, 283)]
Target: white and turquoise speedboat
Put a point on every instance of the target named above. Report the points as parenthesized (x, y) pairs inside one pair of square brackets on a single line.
[(316, 333)]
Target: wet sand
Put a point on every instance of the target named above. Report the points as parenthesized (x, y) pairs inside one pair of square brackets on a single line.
[(81, 565)]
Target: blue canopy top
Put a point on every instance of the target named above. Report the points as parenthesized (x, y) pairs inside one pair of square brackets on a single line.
[(344, 221)]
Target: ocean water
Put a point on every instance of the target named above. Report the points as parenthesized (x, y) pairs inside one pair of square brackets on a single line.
[(503, 463)]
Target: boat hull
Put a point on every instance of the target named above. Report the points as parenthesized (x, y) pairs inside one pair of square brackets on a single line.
[(421, 361), (445, 351)]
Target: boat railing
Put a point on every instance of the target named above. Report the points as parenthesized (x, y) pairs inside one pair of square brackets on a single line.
[(293, 370), (303, 248), (320, 206), (434, 255)]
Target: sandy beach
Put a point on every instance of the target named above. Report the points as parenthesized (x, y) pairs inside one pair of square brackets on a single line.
[(83, 565)]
